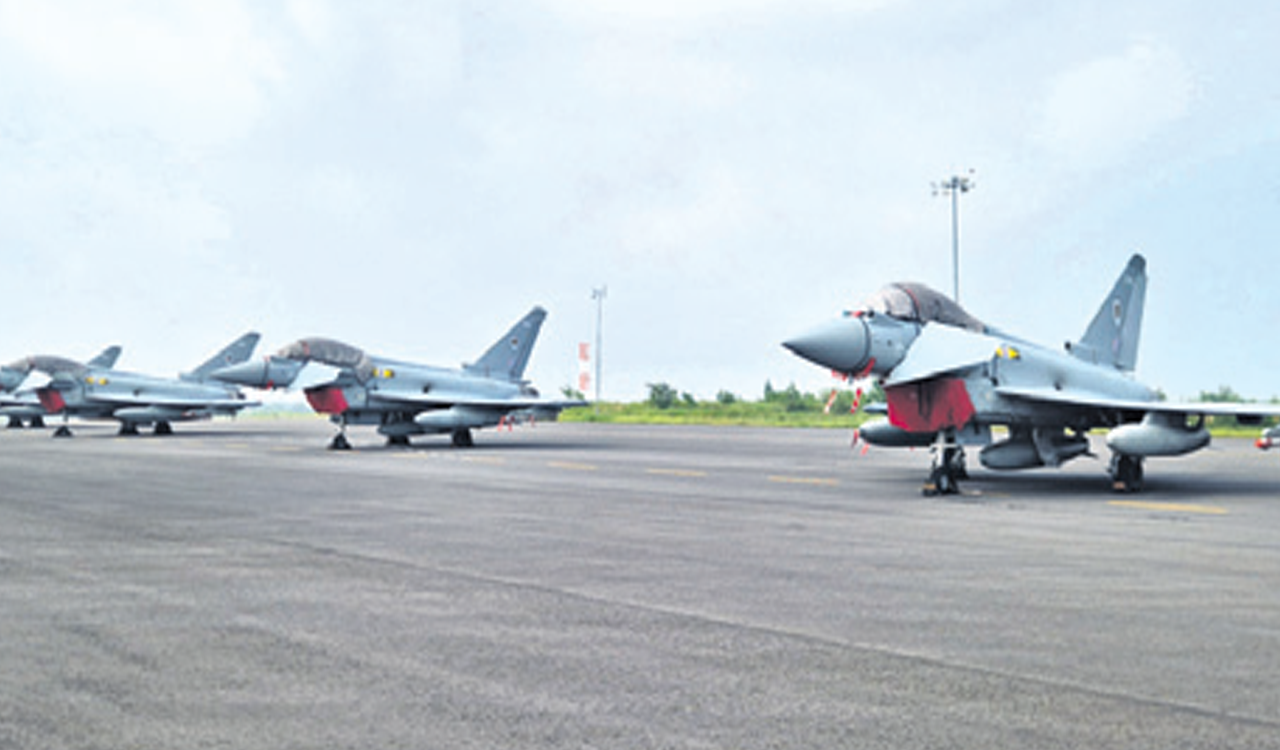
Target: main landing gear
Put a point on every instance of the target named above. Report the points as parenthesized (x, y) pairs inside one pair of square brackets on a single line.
[(462, 439), (1126, 473), (340, 442), (130, 429), (948, 466), (15, 423)]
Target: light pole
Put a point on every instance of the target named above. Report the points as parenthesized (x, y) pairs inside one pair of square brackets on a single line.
[(598, 294), (955, 185)]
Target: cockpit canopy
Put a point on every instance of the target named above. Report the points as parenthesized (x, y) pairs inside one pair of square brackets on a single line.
[(49, 365), (327, 352), (918, 303)]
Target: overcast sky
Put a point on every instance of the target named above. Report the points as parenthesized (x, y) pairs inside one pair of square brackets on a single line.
[(412, 177)]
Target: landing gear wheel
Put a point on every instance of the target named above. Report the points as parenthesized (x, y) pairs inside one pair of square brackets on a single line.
[(62, 432), (15, 423), (163, 428), (36, 422), (1126, 473), (398, 441), (340, 442), (948, 466), (462, 439), (127, 429), (941, 482)]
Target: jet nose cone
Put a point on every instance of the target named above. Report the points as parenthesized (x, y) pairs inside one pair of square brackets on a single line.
[(840, 345), (269, 373), (246, 373), (10, 379)]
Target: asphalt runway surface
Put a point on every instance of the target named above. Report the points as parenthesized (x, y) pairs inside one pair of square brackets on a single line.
[(579, 586)]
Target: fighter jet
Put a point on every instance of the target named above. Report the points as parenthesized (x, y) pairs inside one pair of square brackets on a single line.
[(948, 378), (24, 404), (405, 399), (1269, 438), (93, 392)]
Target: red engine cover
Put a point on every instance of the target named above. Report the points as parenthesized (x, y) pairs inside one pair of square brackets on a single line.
[(327, 400), (51, 400), (929, 405)]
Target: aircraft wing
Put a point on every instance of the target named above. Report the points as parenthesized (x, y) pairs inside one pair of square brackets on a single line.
[(1100, 401), (940, 349), (445, 399), (128, 399)]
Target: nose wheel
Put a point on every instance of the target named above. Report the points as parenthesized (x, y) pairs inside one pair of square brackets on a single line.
[(948, 468), (340, 442)]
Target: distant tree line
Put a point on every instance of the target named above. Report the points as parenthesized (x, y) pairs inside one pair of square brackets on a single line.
[(791, 399)]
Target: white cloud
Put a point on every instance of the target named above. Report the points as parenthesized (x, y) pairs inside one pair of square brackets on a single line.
[(313, 19), (649, 69), (1101, 108), (667, 11), (693, 229), (191, 72)]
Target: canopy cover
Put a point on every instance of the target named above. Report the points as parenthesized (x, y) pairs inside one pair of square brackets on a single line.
[(921, 304)]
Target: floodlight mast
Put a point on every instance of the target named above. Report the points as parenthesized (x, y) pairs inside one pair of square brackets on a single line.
[(598, 294), (955, 185)]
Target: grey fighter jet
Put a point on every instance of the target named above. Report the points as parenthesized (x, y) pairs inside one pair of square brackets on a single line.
[(24, 404), (948, 378), (405, 399), (135, 401)]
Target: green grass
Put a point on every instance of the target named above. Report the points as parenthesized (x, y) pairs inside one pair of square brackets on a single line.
[(743, 414), (766, 414)]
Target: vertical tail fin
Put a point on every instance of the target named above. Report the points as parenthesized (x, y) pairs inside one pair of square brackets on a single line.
[(1112, 337), (106, 359), (509, 355), (236, 352)]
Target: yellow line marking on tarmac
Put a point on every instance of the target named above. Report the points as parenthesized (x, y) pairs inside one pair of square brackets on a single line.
[(484, 460), (571, 466), (677, 472), (819, 481), (1170, 507)]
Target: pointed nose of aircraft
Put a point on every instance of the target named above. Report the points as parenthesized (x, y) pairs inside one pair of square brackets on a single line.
[(272, 372), (843, 345), (10, 379)]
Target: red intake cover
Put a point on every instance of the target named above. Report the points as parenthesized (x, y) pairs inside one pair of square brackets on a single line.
[(929, 405), (51, 400), (327, 400)]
